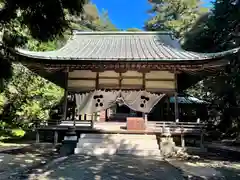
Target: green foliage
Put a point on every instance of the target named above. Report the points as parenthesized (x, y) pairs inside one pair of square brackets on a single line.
[(17, 133), (92, 20), (217, 32), (27, 96), (174, 15), (43, 19), (134, 29)]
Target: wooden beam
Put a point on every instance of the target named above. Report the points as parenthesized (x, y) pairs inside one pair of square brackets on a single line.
[(125, 88), (121, 66), (120, 78)]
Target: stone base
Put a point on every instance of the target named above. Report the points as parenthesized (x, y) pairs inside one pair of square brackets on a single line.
[(68, 147), (135, 123), (167, 146), (70, 138)]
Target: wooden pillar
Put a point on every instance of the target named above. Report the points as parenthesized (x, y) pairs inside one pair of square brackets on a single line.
[(65, 96), (37, 136), (202, 139), (55, 137), (176, 110), (168, 107)]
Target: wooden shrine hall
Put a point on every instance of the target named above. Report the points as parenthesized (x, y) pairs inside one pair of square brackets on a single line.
[(107, 74)]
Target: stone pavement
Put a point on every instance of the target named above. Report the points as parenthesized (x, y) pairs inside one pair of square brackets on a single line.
[(78, 167), (109, 168)]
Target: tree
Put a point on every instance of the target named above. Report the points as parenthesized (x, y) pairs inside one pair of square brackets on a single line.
[(20, 19), (174, 15), (92, 20), (220, 29), (133, 29), (39, 17), (27, 96), (105, 22)]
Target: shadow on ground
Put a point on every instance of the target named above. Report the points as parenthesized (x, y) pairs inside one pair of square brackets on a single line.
[(15, 161), (79, 167), (110, 167)]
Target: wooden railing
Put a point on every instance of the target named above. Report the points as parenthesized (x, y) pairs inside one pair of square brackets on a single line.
[(177, 127), (82, 123), (63, 123)]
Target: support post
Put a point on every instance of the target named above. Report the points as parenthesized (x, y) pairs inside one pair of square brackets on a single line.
[(202, 139), (176, 98), (55, 137), (65, 96), (74, 110), (182, 136), (37, 136), (145, 119), (182, 140), (168, 107)]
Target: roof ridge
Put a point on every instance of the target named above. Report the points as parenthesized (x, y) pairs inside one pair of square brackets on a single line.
[(76, 32)]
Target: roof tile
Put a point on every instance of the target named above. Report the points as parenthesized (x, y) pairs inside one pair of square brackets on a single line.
[(144, 46)]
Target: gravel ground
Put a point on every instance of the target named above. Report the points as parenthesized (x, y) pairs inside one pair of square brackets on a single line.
[(78, 167), (35, 162), (20, 161)]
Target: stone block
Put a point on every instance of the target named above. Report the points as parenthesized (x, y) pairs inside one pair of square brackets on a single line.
[(135, 123)]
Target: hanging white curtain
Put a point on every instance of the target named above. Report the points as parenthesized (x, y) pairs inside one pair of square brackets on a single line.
[(88, 103), (142, 101)]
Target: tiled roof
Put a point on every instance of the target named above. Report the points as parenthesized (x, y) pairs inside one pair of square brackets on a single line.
[(124, 46)]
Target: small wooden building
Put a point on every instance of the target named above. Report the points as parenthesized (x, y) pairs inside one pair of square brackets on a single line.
[(131, 69)]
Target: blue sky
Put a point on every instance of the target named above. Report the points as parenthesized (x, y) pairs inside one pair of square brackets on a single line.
[(127, 13)]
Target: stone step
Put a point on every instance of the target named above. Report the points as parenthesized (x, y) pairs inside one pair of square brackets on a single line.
[(121, 146), (96, 151), (119, 141), (134, 144), (104, 141), (112, 151), (118, 136), (92, 135), (139, 152), (97, 136)]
